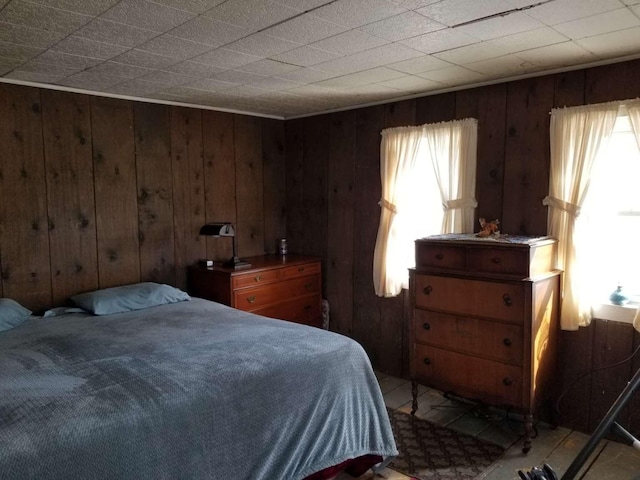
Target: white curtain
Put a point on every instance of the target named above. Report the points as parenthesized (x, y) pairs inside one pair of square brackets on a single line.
[(633, 109), (428, 186), (576, 134)]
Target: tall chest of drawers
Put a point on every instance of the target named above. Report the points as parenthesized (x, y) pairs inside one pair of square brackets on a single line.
[(287, 287), (485, 319)]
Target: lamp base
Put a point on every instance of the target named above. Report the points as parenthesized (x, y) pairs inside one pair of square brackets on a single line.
[(236, 263)]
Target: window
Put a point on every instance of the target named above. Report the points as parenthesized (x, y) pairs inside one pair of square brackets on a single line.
[(609, 224), (428, 178)]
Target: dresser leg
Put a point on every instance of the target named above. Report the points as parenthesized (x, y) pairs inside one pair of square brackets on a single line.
[(528, 429), (414, 397)]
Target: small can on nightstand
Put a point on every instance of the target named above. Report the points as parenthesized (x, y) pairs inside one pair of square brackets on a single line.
[(282, 246)]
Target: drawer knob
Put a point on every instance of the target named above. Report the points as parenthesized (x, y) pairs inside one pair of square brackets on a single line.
[(506, 298), (427, 361), (426, 326), (496, 260), (251, 298), (258, 278), (308, 285), (439, 256), (507, 381), (428, 289), (301, 269), (507, 342), (307, 308)]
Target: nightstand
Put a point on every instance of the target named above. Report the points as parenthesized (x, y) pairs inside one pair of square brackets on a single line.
[(287, 287)]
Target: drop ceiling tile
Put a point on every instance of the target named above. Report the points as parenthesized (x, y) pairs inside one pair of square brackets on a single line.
[(355, 13), (598, 24), (350, 42), (303, 5), (66, 60), (610, 45), (402, 26), (209, 31), (167, 79), (48, 69), (558, 55), (411, 84), (147, 15), (439, 41), (175, 47), (120, 70), (251, 14), (19, 12), (267, 67), (18, 52), (312, 91), (507, 66), (134, 88), (28, 36), (306, 56), (454, 75), (225, 58), (193, 6), (194, 69), (262, 45), (473, 53), (307, 75), (9, 64), (88, 48), (456, 12), (275, 83), (524, 41), (391, 53), (413, 4), (419, 64), (244, 91), (561, 11), (238, 77), (145, 59), (96, 82), (37, 77), (86, 7), (101, 30), (209, 84), (364, 77), (501, 26), (305, 29)]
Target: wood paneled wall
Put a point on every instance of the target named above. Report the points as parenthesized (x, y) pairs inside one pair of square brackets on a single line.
[(333, 189), (97, 192)]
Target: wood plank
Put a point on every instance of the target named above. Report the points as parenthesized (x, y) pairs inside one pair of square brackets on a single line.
[(400, 114), (340, 214), (526, 170), (114, 171), (155, 197), (367, 190), (219, 177), (607, 83), (436, 108), (249, 186), (294, 131), (188, 189), (24, 237), (568, 89), (275, 183), (316, 151), (66, 126)]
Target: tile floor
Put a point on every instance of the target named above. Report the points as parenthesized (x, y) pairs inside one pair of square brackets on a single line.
[(556, 446)]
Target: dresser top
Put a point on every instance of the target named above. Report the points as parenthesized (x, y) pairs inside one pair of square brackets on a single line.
[(262, 262), (473, 239)]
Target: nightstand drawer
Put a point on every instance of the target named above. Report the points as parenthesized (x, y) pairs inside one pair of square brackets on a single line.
[(251, 279), (470, 377), (439, 256), (498, 341), (255, 298), (461, 296)]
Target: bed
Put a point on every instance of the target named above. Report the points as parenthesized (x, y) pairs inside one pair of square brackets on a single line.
[(187, 390)]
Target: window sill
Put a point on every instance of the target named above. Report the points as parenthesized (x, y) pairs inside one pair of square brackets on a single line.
[(615, 313)]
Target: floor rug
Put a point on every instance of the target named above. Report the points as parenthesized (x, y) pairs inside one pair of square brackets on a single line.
[(431, 452)]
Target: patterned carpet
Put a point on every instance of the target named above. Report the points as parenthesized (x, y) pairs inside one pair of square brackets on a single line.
[(431, 452)]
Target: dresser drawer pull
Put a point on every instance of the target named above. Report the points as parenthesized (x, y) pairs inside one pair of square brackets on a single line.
[(507, 342), (496, 260), (426, 326), (301, 269), (427, 361), (428, 289), (507, 381), (439, 256), (308, 285), (251, 298), (307, 308), (506, 298), (257, 278)]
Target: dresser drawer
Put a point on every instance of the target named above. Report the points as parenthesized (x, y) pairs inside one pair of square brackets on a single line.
[(255, 298), (499, 341), (439, 256), (495, 300), (251, 279), (470, 377), (307, 310), (296, 271), (499, 260)]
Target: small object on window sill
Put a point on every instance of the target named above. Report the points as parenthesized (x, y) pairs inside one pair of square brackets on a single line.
[(618, 297)]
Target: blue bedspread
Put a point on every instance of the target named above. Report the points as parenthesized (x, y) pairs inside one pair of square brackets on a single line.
[(192, 390)]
